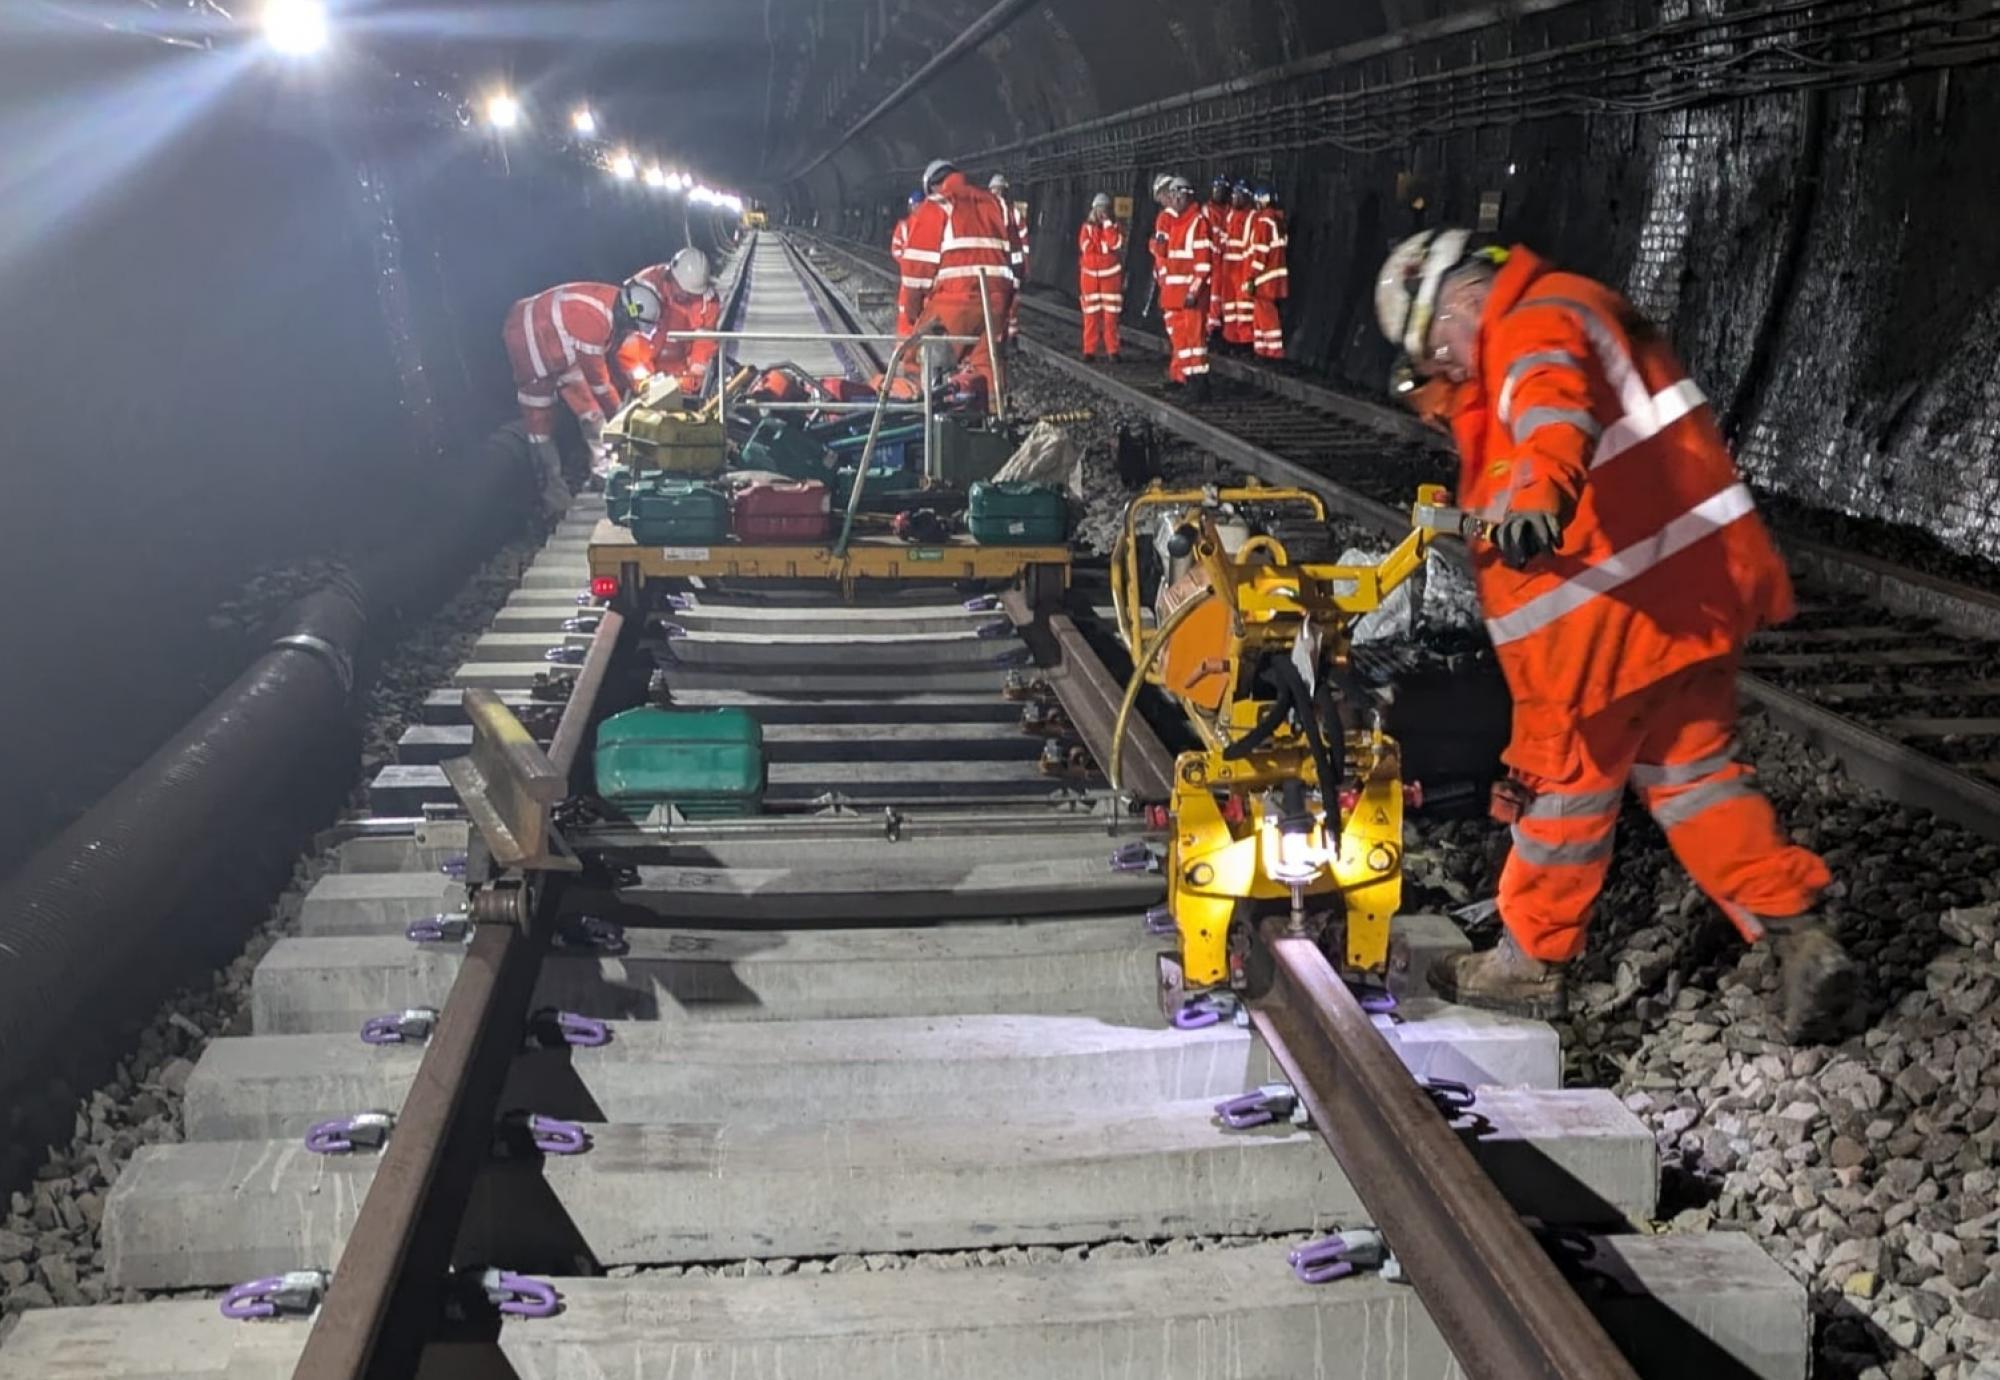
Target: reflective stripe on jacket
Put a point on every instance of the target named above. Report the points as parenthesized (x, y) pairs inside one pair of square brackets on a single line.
[(1188, 258), (1581, 408), (562, 334)]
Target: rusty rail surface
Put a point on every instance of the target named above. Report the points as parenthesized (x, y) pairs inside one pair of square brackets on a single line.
[(388, 1291), (1498, 1300)]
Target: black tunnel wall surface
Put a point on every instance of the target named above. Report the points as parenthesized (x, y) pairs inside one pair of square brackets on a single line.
[(1827, 261), (263, 339)]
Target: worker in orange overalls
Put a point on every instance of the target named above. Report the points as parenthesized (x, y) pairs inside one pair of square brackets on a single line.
[(899, 238), (1017, 234), (1232, 250), (1187, 265), (688, 302), (1156, 245), (958, 246), (558, 343), (1626, 567), (1100, 271), (1266, 276)]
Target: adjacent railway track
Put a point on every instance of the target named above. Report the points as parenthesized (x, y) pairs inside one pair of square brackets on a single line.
[(872, 1083), (1894, 671)]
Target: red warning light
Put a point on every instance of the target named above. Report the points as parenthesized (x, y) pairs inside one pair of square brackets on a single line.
[(604, 586)]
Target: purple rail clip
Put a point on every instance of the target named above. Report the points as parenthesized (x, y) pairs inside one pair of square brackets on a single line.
[(671, 630), (440, 929), (296, 1292), (1135, 857), (554, 1137), (1014, 656), (985, 603), (1376, 1001), (342, 1135), (453, 866), (996, 630), (680, 603), (582, 623), (520, 1296), (1337, 1256), (591, 932), (553, 1027), (1208, 1009), (1258, 1107), (566, 656), (1160, 922), (396, 1027), (1451, 1096)]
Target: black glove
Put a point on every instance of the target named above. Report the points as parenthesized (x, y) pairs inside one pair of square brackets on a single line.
[(1525, 537)]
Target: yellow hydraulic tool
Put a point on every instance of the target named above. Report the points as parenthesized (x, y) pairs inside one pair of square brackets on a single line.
[(1293, 794)]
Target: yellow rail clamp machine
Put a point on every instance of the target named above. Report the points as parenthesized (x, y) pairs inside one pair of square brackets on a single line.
[(1295, 796)]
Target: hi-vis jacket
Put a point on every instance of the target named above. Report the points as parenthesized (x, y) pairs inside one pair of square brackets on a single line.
[(560, 337), (1100, 265), (679, 312), (1265, 274), (1580, 407), (1186, 257), (957, 235)]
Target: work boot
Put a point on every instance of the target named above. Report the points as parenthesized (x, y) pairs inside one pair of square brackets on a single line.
[(1504, 978), (1816, 979), (548, 470)]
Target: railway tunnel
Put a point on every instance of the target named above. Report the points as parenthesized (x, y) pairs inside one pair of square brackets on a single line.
[(276, 562)]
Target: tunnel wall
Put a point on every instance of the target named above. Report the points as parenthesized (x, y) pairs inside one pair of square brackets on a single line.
[(262, 335), (1827, 261)]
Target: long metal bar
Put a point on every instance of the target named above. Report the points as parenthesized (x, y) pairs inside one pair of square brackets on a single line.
[(793, 337), (389, 1289), (1500, 1303), (975, 34)]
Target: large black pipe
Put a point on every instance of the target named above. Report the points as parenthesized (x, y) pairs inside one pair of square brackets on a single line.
[(90, 907)]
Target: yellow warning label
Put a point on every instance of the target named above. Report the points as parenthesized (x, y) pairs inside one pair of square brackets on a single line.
[(1121, 207)]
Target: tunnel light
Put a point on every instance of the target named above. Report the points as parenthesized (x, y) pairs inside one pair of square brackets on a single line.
[(583, 122), (623, 168), (503, 111), (295, 27), (655, 178)]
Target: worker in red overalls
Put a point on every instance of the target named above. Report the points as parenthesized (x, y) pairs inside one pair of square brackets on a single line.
[(958, 272), (1232, 250), (1187, 266), (1217, 211), (558, 343), (1100, 268), (1267, 279), (1017, 235), (688, 302), (1626, 569)]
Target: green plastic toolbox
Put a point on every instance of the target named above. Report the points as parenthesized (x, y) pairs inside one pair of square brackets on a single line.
[(679, 512), (706, 763), (784, 448), (618, 494), (1016, 515)]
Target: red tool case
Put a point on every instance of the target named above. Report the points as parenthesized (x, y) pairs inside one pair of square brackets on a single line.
[(772, 512)]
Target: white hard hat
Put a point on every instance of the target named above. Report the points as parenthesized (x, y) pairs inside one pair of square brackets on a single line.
[(936, 171), (1161, 181), (1178, 183), (998, 184), (1406, 292), (638, 304), (1101, 202), (689, 270)]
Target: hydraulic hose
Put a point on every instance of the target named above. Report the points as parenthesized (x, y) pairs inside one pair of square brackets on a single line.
[(1133, 686)]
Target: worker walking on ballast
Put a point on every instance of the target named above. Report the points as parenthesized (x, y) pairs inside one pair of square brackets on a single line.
[(899, 240), (1100, 267), (1626, 569), (1187, 260), (559, 343), (957, 274), (688, 302)]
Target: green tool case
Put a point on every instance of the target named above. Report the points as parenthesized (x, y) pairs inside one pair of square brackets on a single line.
[(706, 763), (679, 512), (1016, 515), (783, 447)]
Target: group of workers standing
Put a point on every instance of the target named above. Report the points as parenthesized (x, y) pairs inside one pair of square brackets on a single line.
[(590, 344), (1219, 269)]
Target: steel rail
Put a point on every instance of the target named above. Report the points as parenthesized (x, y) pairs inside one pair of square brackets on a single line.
[(389, 1288), (1501, 1305)]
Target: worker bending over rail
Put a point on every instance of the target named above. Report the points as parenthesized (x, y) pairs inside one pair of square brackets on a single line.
[(558, 343), (959, 245), (1186, 258), (688, 302), (1626, 569), (1100, 270)]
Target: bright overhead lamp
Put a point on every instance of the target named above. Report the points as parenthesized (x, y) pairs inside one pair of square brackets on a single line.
[(295, 28), (623, 168), (654, 177), (502, 111), (583, 121)]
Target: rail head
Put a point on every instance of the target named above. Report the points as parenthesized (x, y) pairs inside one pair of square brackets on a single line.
[(1499, 1301)]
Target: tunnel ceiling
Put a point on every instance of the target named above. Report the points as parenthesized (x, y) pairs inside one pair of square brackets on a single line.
[(749, 91)]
